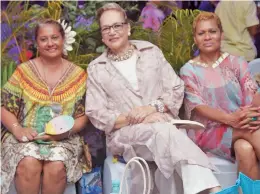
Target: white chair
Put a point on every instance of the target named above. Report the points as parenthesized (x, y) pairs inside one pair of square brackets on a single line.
[(112, 172), (227, 174), (70, 189)]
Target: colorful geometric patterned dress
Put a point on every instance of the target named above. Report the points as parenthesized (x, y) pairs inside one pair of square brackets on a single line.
[(27, 97), (227, 86)]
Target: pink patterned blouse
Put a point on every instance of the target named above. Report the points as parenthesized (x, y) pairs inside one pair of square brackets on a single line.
[(225, 86)]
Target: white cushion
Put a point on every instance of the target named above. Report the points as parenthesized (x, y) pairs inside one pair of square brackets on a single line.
[(227, 174)]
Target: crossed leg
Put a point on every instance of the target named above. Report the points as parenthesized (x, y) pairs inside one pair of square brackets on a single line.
[(247, 151)]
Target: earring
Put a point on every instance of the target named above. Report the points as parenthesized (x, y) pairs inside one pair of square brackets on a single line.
[(129, 33), (193, 47)]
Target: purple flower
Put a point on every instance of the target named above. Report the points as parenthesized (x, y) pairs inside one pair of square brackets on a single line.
[(152, 17), (83, 22), (6, 31)]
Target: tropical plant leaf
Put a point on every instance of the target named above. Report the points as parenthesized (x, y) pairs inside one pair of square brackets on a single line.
[(175, 37)]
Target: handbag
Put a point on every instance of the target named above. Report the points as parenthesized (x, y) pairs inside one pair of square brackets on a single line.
[(87, 166), (122, 187)]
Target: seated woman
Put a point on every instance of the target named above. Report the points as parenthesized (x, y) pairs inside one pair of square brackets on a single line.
[(39, 89), (132, 94), (219, 92)]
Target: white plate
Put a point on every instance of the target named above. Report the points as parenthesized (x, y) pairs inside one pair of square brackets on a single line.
[(58, 125), (187, 124)]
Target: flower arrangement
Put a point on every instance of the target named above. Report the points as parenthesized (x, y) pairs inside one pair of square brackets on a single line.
[(152, 17)]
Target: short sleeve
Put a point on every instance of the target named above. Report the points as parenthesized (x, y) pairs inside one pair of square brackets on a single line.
[(251, 18), (248, 85), (80, 97), (11, 93), (79, 107), (193, 94)]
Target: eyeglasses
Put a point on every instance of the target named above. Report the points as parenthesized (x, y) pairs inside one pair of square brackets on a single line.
[(116, 27)]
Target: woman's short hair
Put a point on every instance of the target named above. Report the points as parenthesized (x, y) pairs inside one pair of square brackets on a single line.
[(49, 21), (110, 6), (206, 16)]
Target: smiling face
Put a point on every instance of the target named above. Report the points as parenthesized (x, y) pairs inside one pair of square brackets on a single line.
[(208, 36), (50, 41), (114, 30)]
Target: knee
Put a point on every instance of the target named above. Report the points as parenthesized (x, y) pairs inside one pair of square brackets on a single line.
[(54, 170), (243, 149), (29, 168)]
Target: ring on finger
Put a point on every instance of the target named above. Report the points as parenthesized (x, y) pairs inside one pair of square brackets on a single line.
[(254, 119), (24, 139)]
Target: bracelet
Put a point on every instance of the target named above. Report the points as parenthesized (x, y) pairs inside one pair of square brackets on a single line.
[(159, 105), (14, 125)]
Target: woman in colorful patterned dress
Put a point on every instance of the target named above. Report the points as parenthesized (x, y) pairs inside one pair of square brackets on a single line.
[(39, 89), (221, 94)]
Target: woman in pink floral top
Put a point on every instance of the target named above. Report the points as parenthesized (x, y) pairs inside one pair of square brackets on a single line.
[(219, 93)]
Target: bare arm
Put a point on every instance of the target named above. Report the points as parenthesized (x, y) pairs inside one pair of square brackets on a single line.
[(212, 114), (253, 30), (238, 120), (8, 119), (11, 123), (256, 100), (79, 124)]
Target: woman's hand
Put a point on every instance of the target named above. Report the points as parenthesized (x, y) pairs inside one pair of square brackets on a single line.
[(24, 134), (154, 117), (46, 137), (138, 114), (242, 119)]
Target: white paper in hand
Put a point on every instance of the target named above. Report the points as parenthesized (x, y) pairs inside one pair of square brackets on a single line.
[(187, 124)]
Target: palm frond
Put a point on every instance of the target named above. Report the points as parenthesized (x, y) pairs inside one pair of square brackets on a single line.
[(175, 37)]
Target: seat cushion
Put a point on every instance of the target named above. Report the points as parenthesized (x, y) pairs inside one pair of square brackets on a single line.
[(223, 165), (227, 174)]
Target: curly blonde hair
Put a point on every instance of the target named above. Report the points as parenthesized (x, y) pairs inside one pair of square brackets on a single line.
[(206, 16)]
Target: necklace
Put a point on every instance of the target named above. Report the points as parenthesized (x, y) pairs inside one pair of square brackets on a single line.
[(214, 65), (126, 55), (55, 108), (51, 87)]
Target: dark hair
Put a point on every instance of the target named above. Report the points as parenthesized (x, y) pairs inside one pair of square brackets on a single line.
[(49, 21)]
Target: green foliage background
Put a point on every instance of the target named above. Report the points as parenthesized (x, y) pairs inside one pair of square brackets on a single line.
[(174, 37)]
